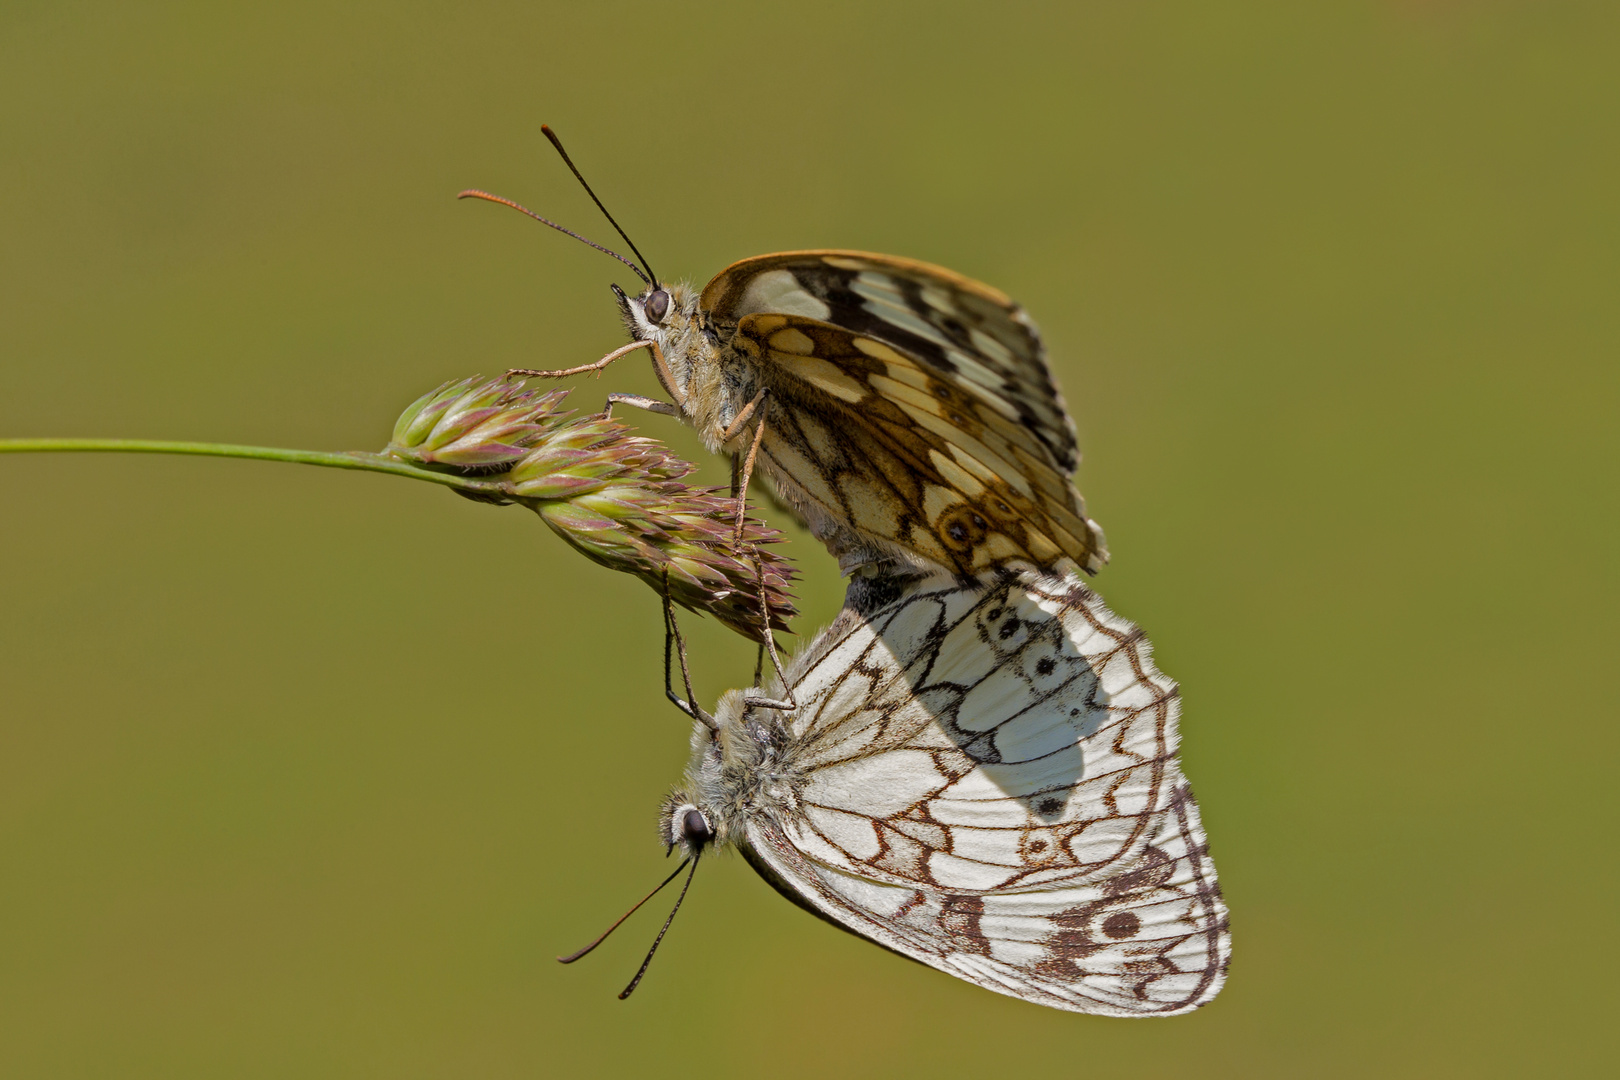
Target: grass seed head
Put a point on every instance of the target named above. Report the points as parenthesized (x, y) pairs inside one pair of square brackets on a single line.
[(615, 497)]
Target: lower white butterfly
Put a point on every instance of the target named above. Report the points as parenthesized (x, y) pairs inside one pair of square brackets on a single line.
[(981, 776)]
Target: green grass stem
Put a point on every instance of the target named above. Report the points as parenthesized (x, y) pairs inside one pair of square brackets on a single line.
[(347, 459)]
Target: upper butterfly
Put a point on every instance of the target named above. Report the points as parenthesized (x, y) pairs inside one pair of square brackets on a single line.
[(902, 410), (905, 412)]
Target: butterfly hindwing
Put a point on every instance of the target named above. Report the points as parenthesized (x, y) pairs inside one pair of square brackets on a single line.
[(864, 457), (989, 784), (941, 374), (1153, 945), (902, 454)]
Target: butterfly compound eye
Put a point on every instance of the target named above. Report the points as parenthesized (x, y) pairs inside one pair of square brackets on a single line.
[(696, 828), (657, 305)]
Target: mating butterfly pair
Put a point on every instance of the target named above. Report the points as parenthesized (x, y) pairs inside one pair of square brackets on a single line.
[(975, 765)]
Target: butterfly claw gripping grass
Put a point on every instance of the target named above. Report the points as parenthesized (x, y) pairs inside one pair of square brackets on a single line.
[(615, 497)]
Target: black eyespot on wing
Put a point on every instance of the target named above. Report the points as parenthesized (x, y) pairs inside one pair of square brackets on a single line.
[(961, 528), (657, 305)]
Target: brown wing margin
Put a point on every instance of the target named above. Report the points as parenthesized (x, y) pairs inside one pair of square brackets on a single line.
[(1207, 893), (792, 874)]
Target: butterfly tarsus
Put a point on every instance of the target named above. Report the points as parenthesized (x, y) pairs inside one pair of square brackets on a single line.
[(652, 405), (768, 643), (666, 378), (742, 471), (673, 640), (596, 366)]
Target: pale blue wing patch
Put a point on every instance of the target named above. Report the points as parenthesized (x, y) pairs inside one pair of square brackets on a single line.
[(1021, 821)]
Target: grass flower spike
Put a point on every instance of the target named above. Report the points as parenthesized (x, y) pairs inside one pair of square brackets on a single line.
[(615, 497)]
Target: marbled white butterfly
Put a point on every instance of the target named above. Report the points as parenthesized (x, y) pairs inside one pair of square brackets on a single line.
[(906, 413), (981, 776)]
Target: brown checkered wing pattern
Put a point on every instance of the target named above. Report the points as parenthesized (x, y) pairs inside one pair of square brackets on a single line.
[(986, 781), (912, 404)]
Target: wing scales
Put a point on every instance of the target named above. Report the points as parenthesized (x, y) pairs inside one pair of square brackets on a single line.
[(1076, 875), (937, 479), (929, 367), (950, 321)]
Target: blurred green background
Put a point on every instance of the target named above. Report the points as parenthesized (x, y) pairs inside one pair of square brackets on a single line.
[(306, 773)]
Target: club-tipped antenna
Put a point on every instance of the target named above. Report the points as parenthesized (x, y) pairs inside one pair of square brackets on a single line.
[(474, 193), (659, 940), (552, 135), (571, 957)]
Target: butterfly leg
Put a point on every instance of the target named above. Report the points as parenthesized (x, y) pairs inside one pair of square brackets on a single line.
[(768, 643), (739, 486), (673, 641), (536, 373), (666, 377), (742, 417), (660, 368), (652, 405)]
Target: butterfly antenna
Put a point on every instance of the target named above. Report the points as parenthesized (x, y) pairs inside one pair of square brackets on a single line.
[(571, 957), (474, 193), (660, 938), (552, 135)]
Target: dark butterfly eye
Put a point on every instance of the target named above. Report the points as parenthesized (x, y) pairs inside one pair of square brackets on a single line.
[(696, 828), (657, 305)]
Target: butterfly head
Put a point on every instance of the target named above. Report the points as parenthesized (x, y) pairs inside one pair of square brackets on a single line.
[(660, 311), (685, 825), (672, 316)]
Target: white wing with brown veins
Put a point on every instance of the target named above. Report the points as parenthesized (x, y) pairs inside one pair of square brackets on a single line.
[(988, 783)]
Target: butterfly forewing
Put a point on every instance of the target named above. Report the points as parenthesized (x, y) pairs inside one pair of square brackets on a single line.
[(986, 781), (946, 321), (910, 403)]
